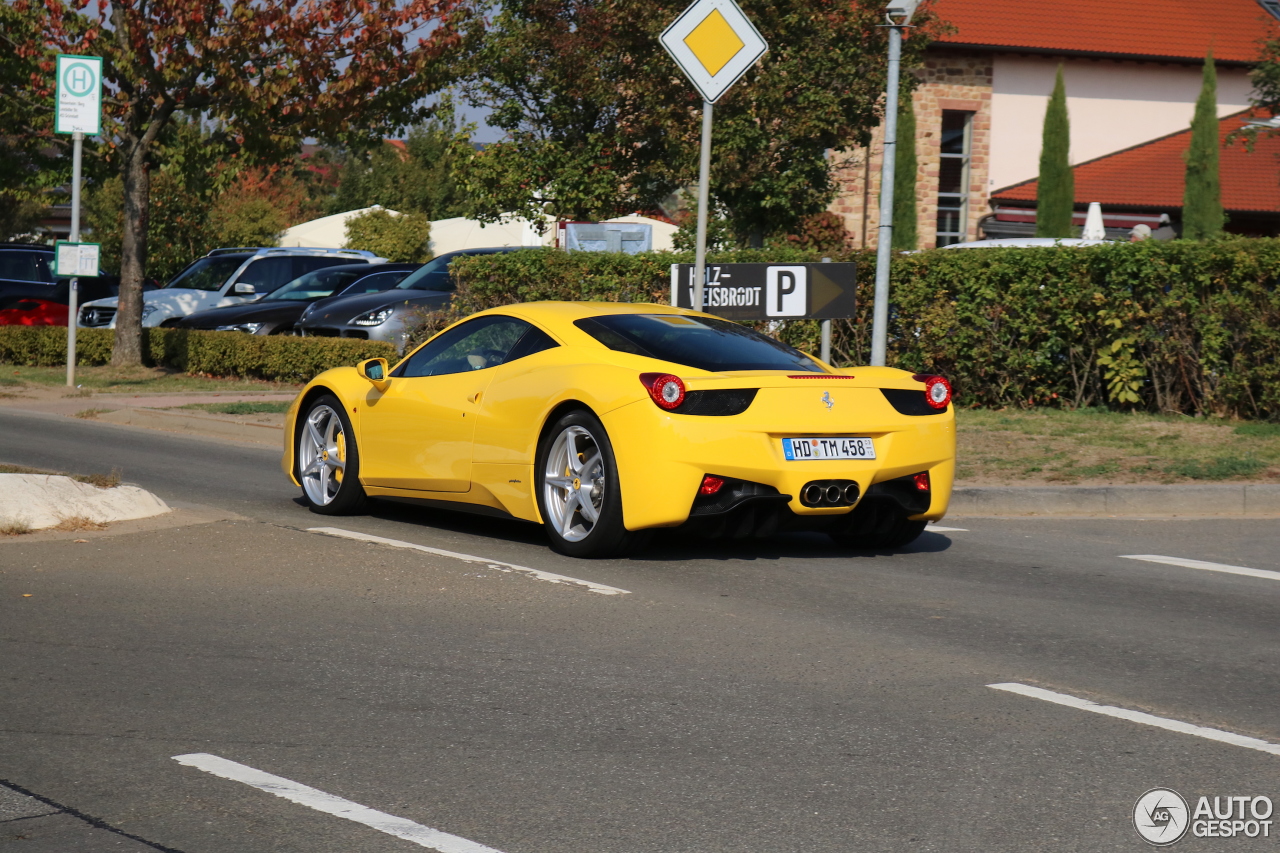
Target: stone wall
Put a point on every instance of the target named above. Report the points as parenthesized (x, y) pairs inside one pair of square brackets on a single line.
[(950, 80)]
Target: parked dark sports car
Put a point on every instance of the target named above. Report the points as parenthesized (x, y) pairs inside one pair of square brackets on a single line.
[(277, 312), (30, 295), (50, 307)]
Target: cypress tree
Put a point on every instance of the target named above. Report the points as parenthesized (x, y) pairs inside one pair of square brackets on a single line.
[(1056, 190), (1202, 216), (906, 235)]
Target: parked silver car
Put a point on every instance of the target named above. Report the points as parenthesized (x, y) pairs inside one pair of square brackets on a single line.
[(382, 316)]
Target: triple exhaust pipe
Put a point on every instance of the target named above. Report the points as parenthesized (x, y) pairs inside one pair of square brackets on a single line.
[(830, 493)]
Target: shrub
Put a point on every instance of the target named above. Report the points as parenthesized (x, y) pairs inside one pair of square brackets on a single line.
[(398, 237), (276, 358)]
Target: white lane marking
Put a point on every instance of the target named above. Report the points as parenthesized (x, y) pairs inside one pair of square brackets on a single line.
[(1208, 567), (937, 529), (468, 558), (328, 803), (1140, 717)]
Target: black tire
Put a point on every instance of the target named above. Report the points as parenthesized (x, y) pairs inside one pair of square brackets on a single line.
[(318, 487), (904, 532), (582, 433)]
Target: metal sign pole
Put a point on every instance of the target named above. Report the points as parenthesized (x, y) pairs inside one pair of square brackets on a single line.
[(77, 149), (704, 181), (884, 240), (825, 326)]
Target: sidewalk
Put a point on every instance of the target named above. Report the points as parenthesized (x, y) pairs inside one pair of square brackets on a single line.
[(1240, 500), (159, 411)]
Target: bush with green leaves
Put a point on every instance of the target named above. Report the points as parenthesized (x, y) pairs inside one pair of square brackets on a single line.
[(398, 237), (1169, 327), (279, 358)]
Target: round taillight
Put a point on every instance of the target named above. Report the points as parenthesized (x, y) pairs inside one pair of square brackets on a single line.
[(666, 390), (937, 392)]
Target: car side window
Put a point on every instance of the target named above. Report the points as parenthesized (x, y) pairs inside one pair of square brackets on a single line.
[(534, 340), (375, 283), (306, 263), (24, 266), (267, 274), (475, 345)]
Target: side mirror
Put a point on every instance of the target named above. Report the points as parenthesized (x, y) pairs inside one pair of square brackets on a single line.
[(244, 289), (375, 370)]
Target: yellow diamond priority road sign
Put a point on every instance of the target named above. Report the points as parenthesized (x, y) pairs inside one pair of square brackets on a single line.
[(714, 44)]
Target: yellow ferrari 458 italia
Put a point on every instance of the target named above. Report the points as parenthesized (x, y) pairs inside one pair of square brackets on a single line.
[(605, 421)]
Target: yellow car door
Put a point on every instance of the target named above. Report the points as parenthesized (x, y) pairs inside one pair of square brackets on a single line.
[(418, 433)]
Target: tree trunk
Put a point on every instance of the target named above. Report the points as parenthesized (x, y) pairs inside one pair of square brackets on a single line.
[(133, 258)]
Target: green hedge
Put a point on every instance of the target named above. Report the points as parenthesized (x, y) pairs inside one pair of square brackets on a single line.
[(275, 357), (1163, 326)]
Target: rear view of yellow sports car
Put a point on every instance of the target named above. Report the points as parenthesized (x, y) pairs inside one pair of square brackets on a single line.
[(605, 421)]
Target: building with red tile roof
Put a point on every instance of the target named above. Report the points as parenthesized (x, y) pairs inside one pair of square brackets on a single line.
[(1171, 30), (1132, 75), (1150, 178)]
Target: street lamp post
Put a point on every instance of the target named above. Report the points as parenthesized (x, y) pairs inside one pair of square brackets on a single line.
[(901, 10)]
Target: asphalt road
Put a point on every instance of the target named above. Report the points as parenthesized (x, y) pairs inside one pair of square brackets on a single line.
[(772, 696)]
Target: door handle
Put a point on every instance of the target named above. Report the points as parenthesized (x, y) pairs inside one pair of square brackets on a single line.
[(474, 397)]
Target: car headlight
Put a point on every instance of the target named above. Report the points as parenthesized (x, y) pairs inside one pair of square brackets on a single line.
[(251, 328), (148, 310), (374, 318)]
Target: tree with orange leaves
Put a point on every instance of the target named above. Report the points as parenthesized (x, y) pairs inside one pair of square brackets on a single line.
[(266, 73)]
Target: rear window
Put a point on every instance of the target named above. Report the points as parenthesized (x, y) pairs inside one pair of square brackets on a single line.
[(701, 342)]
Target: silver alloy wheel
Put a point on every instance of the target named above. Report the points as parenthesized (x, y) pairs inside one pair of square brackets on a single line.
[(322, 455), (573, 483)]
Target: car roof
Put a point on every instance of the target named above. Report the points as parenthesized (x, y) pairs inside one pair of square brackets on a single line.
[(1027, 242), (370, 269), (556, 314), (489, 250)]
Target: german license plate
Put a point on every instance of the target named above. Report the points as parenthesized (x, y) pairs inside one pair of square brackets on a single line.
[(806, 449)]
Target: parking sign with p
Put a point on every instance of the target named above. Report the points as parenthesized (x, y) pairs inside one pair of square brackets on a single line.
[(786, 291)]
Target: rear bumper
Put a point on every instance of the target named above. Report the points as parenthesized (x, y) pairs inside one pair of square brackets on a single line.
[(662, 459)]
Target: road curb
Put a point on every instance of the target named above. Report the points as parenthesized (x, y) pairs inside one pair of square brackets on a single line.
[(40, 501), (1252, 500)]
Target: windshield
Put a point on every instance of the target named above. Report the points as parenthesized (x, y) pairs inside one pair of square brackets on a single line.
[(208, 273), (701, 342), (434, 275), (314, 285)]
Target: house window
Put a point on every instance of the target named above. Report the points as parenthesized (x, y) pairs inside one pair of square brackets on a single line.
[(953, 177), (1272, 6)]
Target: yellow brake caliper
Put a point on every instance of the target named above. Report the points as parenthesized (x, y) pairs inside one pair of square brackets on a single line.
[(342, 455)]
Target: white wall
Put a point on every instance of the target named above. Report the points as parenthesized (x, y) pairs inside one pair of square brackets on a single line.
[(1112, 105)]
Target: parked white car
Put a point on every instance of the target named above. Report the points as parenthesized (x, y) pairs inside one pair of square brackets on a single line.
[(1026, 243), (223, 277)]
